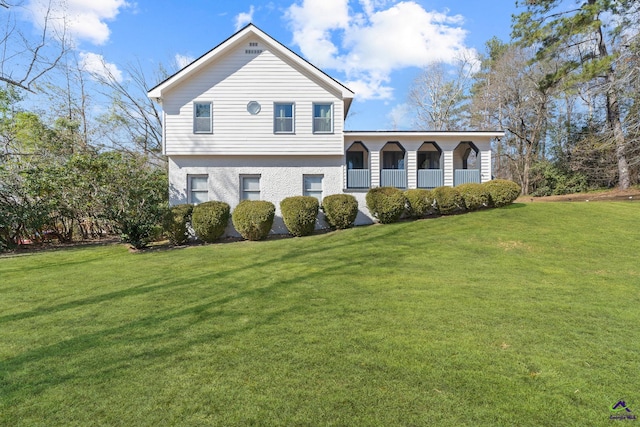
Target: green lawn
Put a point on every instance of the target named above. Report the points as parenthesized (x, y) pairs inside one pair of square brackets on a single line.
[(526, 315)]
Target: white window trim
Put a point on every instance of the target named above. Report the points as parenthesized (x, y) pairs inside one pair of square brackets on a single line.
[(293, 117), (313, 113), (242, 190), (210, 117), (190, 189)]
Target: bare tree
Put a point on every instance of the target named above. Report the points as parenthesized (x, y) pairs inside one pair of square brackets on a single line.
[(511, 97), (134, 121), (24, 60), (439, 95)]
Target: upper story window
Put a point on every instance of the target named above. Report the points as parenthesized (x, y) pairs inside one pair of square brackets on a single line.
[(283, 114), (202, 117), (322, 118)]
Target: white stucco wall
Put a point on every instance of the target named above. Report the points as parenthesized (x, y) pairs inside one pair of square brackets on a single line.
[(278, 179)]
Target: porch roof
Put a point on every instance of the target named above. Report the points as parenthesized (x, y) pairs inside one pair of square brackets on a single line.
[(419, 134)]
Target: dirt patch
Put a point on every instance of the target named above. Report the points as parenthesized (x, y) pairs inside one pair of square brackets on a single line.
[(615, 194)]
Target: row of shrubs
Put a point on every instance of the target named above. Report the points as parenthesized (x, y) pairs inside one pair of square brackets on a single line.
[(253, 219), (388, 204)]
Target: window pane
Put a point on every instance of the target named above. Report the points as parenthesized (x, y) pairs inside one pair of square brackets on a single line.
[(251, 195), (313, 183), (203, 109), (313, 186), (355, 160), (284, 124), (199, 183), (283, 118), (202, 119), (199, 197), (250, 188), (284, 110), (322, 118), (250, 183), (393, 160)]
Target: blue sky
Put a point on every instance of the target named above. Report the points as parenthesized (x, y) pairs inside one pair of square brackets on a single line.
[(375, 47)]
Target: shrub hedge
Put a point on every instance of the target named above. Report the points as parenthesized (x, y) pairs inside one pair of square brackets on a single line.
[(502, 192), (340, 210), (419, 202), (299, 214), (475, 195), (387, 204), (209, 219), (175, 223), (448, 200), (253, 219)]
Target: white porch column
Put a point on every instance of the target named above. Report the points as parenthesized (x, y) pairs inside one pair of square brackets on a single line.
[(412, 168), (485, 165), (375, 168), (448, 168)]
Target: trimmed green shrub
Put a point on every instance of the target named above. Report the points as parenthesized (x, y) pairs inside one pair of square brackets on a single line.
[(386, 204), (419, 202), (340, 210), (448, 200), (475, 195), (209, 219), (175, 223), (299, 214), (253, 219), (502, 192)]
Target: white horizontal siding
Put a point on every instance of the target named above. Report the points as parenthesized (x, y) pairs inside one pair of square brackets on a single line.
[(231, 83)]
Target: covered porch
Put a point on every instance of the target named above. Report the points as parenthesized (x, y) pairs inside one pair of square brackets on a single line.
[(405, 159)]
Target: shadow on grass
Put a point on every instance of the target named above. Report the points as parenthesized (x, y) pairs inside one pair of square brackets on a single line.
[(156, 336)]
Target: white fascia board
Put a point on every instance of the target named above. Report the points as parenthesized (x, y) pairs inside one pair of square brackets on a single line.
[(425, 134)]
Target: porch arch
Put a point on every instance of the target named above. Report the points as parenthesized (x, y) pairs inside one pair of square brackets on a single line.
[(358, 169), (466, 163), (430, 171), (393, 170)]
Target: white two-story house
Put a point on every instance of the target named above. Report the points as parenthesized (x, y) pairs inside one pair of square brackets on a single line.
[(251, 119)]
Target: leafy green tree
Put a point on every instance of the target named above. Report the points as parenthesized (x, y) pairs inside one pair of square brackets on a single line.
[(136, 199)]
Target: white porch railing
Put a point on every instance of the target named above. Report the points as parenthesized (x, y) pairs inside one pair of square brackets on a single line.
[(464, 176), (393, 178), (430, 178), (358, 178)]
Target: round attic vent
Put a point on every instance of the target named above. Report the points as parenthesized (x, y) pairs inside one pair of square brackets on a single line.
[(253, 107)]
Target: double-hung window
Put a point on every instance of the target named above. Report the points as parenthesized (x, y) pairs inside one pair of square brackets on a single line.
[(202, 117), (250, 187), (283, 114), (322, 118), (312, 186), (198, 188)]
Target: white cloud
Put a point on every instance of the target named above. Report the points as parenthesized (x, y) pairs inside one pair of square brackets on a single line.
[(369, 45), (244, 18), (182, 61), (83, 20), (96, 65)]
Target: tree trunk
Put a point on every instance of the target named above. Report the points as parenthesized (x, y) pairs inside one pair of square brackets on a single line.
[(613, 117)]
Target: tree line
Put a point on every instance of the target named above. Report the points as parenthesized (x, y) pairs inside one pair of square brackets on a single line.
[(80, 152), (565, 89)]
